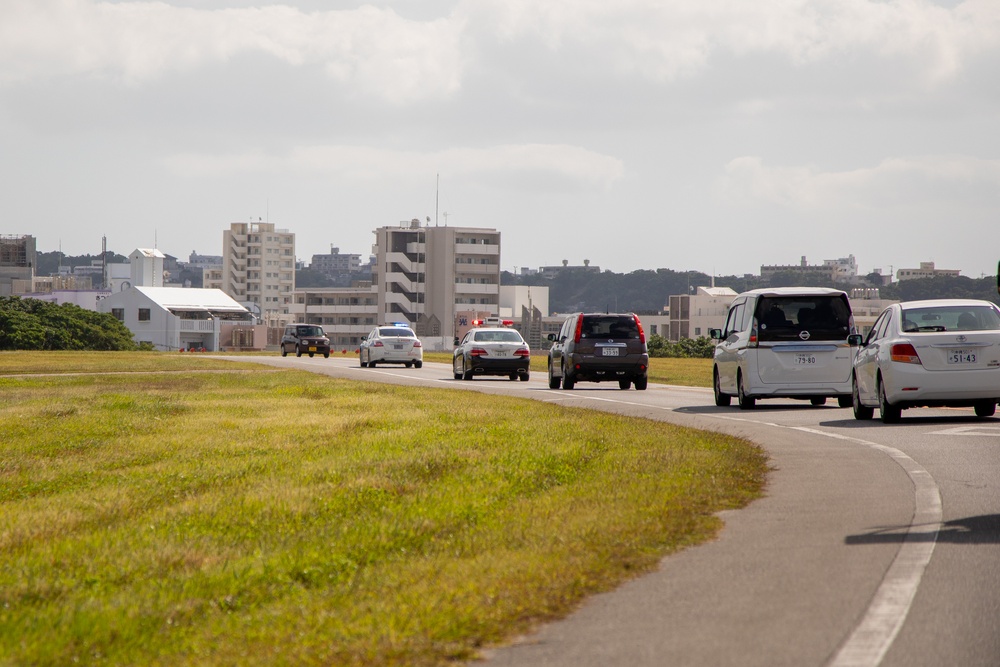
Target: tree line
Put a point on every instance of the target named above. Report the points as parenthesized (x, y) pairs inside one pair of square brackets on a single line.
[(32, 324)]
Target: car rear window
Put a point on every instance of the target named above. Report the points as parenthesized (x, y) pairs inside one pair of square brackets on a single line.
[(951, 318), (397, 331), (787, 317), (609, 326), (498, 337)]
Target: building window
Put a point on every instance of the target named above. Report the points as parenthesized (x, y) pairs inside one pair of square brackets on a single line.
[(119, 314), (144, 314)]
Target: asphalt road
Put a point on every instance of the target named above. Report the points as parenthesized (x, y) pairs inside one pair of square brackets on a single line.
[(875, 545)]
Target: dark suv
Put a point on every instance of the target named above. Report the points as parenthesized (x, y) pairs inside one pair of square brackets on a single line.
[(305, 339), (599, 347)]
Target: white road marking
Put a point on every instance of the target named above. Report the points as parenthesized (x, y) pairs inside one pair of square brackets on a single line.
[(970, 430)]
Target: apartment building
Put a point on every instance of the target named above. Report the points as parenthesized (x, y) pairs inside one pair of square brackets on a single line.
[(347, 314), (258, 267), (18, 258), (926, 270), (427, 275), (692, 315)]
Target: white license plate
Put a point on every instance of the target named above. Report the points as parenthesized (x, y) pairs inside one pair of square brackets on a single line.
[(805, 359), (610, 351), (398, 347), (962, 357)]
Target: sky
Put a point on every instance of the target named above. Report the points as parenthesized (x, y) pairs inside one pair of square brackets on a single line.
[(702, 135)]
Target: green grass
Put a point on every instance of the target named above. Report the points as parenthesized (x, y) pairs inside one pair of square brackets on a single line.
[(287, 518), (684, 372)]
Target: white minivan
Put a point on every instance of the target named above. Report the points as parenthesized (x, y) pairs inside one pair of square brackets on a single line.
[(785, 342)]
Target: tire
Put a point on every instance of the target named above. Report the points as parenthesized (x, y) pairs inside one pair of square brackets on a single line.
[(860, 411), (554, 382), (568, 381), (284, 352), (524, 377), (844, 401), (409, 364), (889, 413), (298, 351), (466, 374), (326, 355), (624, 384), (986, 408), (818, 401), (721, 399), (311, 355), (418, 364), (512, 377), (641, 383), (745, 402), (362, 362), (371, 364)]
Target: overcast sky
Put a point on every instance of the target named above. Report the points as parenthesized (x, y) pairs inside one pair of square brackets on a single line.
[(708, 135)]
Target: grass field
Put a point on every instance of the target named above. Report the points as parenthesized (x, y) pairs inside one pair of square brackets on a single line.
[(175, 510), (684, 372)]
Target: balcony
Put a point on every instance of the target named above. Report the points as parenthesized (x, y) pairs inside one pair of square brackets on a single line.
[(477, 249)]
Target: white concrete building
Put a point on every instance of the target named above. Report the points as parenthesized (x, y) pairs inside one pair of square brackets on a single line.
[(427, 275), (173, 318), (692, 315), (258, 267)]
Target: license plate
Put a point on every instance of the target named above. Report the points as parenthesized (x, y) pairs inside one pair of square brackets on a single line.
[(610, 351), (962, 357), (805, 359), (397, 347), (312, 348)]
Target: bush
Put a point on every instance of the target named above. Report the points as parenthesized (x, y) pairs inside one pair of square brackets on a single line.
[(700, 348), (31, 324)]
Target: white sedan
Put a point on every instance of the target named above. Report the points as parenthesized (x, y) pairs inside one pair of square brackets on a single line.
[(935, 353), (491, 351), (391, 344)]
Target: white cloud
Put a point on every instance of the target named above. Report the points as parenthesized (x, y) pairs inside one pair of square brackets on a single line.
[(895, 182), (374, 50), (523, 167)]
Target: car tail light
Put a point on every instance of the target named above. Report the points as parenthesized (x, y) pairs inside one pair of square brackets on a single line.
[(522, 352), (904, 353), (417, 344), (642, 334), (378, 343), (579, 329), (478, 352), (753, 334)]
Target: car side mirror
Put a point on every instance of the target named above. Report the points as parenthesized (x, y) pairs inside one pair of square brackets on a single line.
[(854, 340), (551, 337), (715, 334)]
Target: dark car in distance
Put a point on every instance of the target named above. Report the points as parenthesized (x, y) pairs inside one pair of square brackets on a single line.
[(599, 347), (305, 339)]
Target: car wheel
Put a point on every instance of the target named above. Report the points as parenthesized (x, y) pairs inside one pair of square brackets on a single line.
[(326, 355), (818, 401), (844, 401), (409, 364), (418, 364), (284, 352), (624, 384), (721, 399), (362, 361), (890, 414), (512, 377), (457, 374), (466, 374), (311, 355), (554, 382), (746, 402), (986, 408), (568, 381), (298, 351), (524, 377), (860, 411), (641, 383)]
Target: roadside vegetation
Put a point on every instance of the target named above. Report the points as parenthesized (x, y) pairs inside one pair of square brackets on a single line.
[(32, 324), (223, 513)]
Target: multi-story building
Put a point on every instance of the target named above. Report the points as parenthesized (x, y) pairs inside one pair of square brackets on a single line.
[(18, 259), (336, 263), (926, 270), (346, 314), (427, 275), (258, 267), (692, 315)]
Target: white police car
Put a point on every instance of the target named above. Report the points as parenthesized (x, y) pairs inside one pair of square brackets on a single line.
[(391, 344)]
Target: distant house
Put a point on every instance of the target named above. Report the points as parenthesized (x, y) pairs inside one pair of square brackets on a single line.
[(171, 318)]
